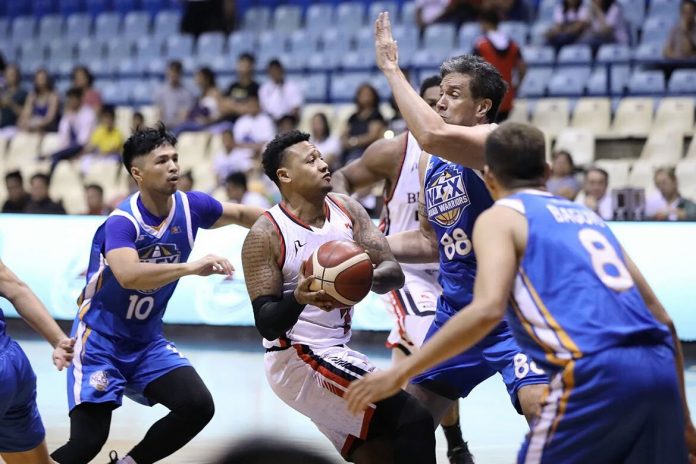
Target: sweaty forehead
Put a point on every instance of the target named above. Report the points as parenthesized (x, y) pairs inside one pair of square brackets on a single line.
[(298, 151), (456, 81)]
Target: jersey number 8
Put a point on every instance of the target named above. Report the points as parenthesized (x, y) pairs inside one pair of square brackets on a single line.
[(604, 257), (456, 244)]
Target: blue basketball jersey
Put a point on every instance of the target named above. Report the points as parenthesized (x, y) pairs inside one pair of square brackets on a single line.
[(110, 309), (573, 294), (454, 198)]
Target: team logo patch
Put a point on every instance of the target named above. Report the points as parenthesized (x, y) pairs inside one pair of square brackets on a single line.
[(446, 197), (99, 380), (160, 253)]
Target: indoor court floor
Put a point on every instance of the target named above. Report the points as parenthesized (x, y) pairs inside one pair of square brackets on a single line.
[(246, 406)]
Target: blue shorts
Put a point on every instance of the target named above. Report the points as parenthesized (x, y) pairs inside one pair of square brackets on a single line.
[(20, 423), (104, 369), (498, 352), (621, 405)]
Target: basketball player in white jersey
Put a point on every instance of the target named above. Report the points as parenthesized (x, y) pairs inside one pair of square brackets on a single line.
[(413, 306), (308, 364)]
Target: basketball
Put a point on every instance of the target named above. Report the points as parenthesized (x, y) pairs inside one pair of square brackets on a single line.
[(342, 269)]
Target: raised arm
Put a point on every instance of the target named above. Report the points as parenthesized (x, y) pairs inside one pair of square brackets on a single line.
[(661, 315), (380, 161), (387, 274), (459, 144), (419, 245), (36, 315), (241, 215)]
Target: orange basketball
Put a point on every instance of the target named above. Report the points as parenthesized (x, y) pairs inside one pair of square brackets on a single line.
[(343, 270)]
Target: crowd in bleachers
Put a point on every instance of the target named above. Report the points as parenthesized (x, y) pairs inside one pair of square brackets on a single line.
[(81, 74)]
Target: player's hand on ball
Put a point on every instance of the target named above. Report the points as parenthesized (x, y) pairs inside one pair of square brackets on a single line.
[(386, 49), (304, 295), (373, 387), (210, 265), (63, 353)]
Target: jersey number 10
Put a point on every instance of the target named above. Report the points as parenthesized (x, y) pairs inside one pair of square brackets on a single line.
[(140, 307)]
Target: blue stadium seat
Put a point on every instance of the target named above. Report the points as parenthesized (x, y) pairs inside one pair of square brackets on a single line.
[(468, 34), (60, 67), (633, 11), (153, 7), (61, 50), (598, 85), (287, 18), (314, 87), (125, 6), (323, 61), (375, 8), (408, 14), (78, 26), (221, 64), (537, 33), (350, 16), (156, 66), (142, 93), (148, 48), (335, 41), (319, 13), (166, 23), (668, 9), (301, 42), (241, 42), (439, 37), (429, 57), (114, 93), (683, 81), (136, 24), (257, 18), (380, 83), (32, 51), (9, 51), (16, 8), (271, 43), (293, 61), (128, 67), (210, 44), (613, 53), (534, 82), (646, 82), (407, 37), (567, 82), (535, 55), (100, 67), (546, 10), (107, 25), (96, 7), (574, 54), (69, 7), (30, 67), (4, 28), (88, 51), (41, 8), (365, 38), (118, 49), (358, 60), (191, 63), (179, 46), (655, 30), (647, 51), (23, 28), (343, 86), (516, 30)]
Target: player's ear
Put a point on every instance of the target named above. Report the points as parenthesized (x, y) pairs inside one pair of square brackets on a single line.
[(136, 173), (547, 172), (283, 175), (490, 181), (483, 107)]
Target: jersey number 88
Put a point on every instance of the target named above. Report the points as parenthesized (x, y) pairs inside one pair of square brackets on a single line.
[(456, 244)]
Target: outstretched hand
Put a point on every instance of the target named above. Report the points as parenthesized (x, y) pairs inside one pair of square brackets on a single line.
[(373, 387), (63, 353), (386, 49)]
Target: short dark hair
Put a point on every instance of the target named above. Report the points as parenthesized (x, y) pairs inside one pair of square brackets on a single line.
[(247, 56), (50, 84), (516, 155), (431, 81), (237, 178), (567, 156), (287, 118), (484, 80), (84, 69), (275, 63), (17, 175), (144, 140), (96, 187), (603, 172), (209, 75), (40, 175), (108, 109), (490, 16), (275, 151), (74, 92), (176, 65), (373, 91)]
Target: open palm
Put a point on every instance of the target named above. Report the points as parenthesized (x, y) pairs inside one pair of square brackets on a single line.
[(386, 49)]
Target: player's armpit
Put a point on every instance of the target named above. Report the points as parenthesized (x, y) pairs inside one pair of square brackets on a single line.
[(242, 215), (260, 255)]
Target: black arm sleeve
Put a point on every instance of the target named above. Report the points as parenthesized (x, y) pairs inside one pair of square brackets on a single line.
[(275, 316)]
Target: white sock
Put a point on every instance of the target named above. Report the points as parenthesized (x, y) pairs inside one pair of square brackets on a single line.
[(127, 460)]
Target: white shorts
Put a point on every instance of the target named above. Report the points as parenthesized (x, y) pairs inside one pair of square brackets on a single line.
[(313, 382), (413, 308)]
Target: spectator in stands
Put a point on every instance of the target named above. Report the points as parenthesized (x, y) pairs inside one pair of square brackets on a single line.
[(205, 111), (328, 145), (562, 181), (286, 124), (173, 100), (17, 197), (606, 24), (570, 19), (667, 204), (232, 158), (236, 188), (106, 141), (681, 43), (445, 11), (364, 126), (137, 121), (40, 112), (237, 101), (75, 127), (186, 181), (252, 131), (39, 201), (279, 96), (595, 195), (94, 197), (83, 79), (504, 54), (201, 16), (12, 98)]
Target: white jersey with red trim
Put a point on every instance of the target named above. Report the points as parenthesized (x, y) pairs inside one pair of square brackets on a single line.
[(315, 327)]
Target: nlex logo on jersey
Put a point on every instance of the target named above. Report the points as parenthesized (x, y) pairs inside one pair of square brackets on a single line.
[(166, 253), (447, 197)]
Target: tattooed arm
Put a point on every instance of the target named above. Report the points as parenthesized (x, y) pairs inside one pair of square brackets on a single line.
[(387, 275)]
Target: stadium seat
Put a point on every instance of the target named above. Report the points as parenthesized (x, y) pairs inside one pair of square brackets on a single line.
[(124, 7), (380, 83), (51, 142), (429, 58), (358, 60), (546, 10), (343, 86), (439, 37), (335, 42), (257, 18), (78, 26), (686, 177), (241, 42), (537, 33), (520, 111), (22, 147), (314, 87), (301, 41), (23, 28), (319, 13), (179, 46), (656, 30), (59, 50), (210, 44), (668, 9), (575, 54), (633, 117), (597, 83), (613, 53), (646, 83), (69, 7), (96, 7), (534, 82), (124, 119), (107, 26), (618, 170), (148, 48), (664, 147), (105, 173), (113, 93), (293, 62), (408, 13), (127, 67), (4, 28), (407, 38), (647, 51), (516, 30), (32, 51), (364, 38), (195, 145), (166, 23), (152, 7), (271, 43), (375, 8), (592, 114), (350, 16), (118, 49), (642, 173), (143, 93), (50, 28), (287, 18), (568, 82), (633, 11), (551, 115), (136, 24), (675, 113), (536, 55), (323, 61), (682, 81), (149, 113), (467, 35), (579, 142)]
